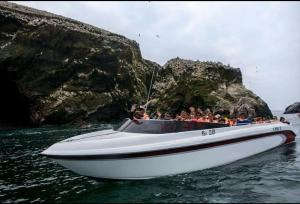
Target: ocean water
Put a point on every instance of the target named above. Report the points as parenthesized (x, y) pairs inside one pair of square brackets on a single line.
[(25, 176)]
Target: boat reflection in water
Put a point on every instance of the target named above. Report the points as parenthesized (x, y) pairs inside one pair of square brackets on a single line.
[(146, 149)]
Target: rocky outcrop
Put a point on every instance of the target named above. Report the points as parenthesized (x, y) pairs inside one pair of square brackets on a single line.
[(294, 108), (57, 70), (183, 83)]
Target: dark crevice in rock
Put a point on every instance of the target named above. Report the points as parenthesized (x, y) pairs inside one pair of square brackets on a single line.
[(14, 107)]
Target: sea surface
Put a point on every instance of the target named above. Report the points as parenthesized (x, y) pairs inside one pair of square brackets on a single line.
[(25, 176)]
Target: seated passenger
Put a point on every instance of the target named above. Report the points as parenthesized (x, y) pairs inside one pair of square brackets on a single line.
[(232, 122), (275, 118), (146, 116), (207, 111), (132, 110), (140, 114), (158, 115), (168, 116), (258, 120), (184, 115), (199, 112), (242, 120), (206, 119), (222, 121), (216, 118), (226, 120), (177, 117), (210, 118), (282, 119), (192, 112)]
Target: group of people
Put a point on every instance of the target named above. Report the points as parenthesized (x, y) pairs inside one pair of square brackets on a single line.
[(199, 115)]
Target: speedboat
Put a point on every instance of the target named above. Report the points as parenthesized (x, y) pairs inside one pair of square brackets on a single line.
[(144, 149)]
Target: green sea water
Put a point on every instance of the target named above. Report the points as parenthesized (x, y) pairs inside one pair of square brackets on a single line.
[(25, 176)]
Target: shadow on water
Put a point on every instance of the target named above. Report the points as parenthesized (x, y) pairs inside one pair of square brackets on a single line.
[(272, 176)]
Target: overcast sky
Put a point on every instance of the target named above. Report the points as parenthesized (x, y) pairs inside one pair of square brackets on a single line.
[(261, 38)]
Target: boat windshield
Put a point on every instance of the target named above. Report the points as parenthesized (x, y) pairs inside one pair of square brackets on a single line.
[(163, 126)]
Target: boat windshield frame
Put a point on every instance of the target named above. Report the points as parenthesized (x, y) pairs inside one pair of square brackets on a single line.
[(154, 126)]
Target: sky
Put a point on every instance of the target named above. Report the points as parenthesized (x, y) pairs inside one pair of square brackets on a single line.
[(260, 38)]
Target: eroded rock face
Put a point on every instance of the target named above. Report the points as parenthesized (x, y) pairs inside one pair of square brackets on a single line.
[(294, 108), (65, 69), (183, 83), (56, 70)]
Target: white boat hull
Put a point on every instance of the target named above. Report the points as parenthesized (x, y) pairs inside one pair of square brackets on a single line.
[(157, 163)]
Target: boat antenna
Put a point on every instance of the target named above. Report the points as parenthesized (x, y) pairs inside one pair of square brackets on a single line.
[(149, 90)]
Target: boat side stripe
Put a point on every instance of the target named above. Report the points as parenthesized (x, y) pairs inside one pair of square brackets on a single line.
[(290, 137)]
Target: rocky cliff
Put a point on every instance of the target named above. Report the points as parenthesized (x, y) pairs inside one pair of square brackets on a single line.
[(183, 83), (57, 70), (293, 108)]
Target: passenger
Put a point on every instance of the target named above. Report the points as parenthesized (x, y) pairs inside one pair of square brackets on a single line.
[(234, 122), (192, 112), (132, 110), (206, 119), (222, 121), (210, 117), (242, 120), (268, 120), (226, 120), (207, 111), (140, 114), (184, 115), (199, 112), (258, 120), (216, 118), (282, 119), (177, 117), (158, 115), (168, 116), (146, 116)]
